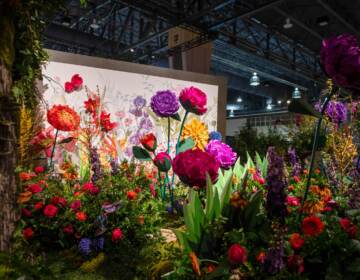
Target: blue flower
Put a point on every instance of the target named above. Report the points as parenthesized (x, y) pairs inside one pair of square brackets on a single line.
[(85, 246), (215, 135)]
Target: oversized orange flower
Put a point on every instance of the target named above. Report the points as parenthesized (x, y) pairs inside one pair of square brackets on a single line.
[(63, 118)]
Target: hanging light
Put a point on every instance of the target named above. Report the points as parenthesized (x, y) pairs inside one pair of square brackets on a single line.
[(287, 24), (94, 25), (254, 80), (268, 107), (279, 102), (296, 93), (239, 100), (231, 113), (288, 101)]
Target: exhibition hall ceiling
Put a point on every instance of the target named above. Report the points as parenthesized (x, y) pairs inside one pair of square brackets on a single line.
[(279, 39)]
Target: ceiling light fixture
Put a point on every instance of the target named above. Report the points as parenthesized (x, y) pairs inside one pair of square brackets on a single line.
[(288, 24), (254, 80), (296, 93), (279, 102), (268, 107), (231, 113), (239, 100), (288, 101), (132, 50)]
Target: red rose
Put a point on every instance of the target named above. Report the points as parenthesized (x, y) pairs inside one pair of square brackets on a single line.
[(237, 254), (295, 264), (116, 235), (292, 201), (69, 229), (38, 206), (193, 100), (69, 87), (192, 165), (57, 200), (296, 241), (81, 216), (50, 211), (63, 118), (28, 233), (138, 190), (24, 176), (149, 142), (39, 169), (94, 191), (76, 81), (26, 212), (312, 226), (163, 161), (105, 122), (75, 205), (348, 227), (131, 195), (34, 188)]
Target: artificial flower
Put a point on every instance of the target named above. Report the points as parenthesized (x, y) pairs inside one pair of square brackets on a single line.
[(193, 100), (24, 197), (164, 103), (149, 142), (192, 166), (105, 123), (50, 211), (69, 229), (28, 233), (57, 200), (92, 105), (117, 235), (39, 169), (237, 254), (292, 201), (25, 176), (81, 216), (296, 241), (195, 263), (131, 195), (222, 152), (34, 188), (198, 131), (163, 161), (69, 87), (76, 81), (63, 118), (295, 263), (215, 135), (312, 226), (75, 205)]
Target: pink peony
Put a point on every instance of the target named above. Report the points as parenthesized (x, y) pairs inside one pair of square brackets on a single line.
[(193, 100), (222, 153), (163, 161), (192, 165)]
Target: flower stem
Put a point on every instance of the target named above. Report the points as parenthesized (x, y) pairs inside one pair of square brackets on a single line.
[(53, 148), (168, 146)]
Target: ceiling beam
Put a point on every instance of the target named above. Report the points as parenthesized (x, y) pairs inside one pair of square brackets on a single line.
[(339, 17)]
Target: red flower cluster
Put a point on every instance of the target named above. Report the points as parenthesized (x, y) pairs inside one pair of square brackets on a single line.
[(57, 200), (39, 169), (34, 188), (237, 254), (105, 123), (81, 216), (192, 166), (25, 176), (312, 226), (296, 241), (131, 195), (63, 118), (348, 227), (92, 105), (149, 142), (91, 188), (75, 84)]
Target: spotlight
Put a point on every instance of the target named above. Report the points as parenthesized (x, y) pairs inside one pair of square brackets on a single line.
[(239, 100), (296, 93), (287, 24), (288, 101), (254, 80), (279, 102), (322, 21), (132, 50)]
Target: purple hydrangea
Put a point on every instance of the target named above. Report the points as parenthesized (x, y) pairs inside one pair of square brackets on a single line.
[(164, 103), (276, 197), (215, 135), (294, 161), (222, 153), (340, 58)]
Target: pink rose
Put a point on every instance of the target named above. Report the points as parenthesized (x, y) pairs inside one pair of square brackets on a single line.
[(193, 100)]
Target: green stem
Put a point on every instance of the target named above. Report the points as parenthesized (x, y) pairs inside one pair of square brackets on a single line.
[(53, 148), (168, 146)]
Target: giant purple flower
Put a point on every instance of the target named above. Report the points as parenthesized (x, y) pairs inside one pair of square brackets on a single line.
[(164, 103), (340, 58), (222, 153), (276, 197)]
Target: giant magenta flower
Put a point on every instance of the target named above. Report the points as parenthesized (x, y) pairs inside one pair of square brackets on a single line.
[(340, 58), (164, 103), (192, 166), (222, 152), (63, 118), (193, 100)]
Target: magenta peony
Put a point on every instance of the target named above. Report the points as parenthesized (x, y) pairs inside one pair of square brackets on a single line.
[(237, 254), (163, 161), (193, 100), (192, 165), (222, 153)]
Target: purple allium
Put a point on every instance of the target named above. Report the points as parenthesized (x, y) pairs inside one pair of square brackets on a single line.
[(222, 153), (274, 260), (340, 58), (85, 246), (215, 135), (164, 103), (276, 197), (294, 161), (139, 102)]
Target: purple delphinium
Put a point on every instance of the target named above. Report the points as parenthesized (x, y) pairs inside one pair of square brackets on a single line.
[(222, 153), (85, 246), (336, 111), (294, 161), (145, 123), (340, 58), (276, 197), (164, 103), (95, 165), (215, 135)]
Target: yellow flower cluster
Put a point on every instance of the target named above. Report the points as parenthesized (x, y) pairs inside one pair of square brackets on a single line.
[(198, 131)]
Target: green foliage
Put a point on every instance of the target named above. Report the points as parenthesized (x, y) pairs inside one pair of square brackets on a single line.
[(186, 144), (141, 154)]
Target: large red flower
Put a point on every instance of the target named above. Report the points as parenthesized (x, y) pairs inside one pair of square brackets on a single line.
[(105, 122), (312, 226), (193, 100), (192, 165), (63, 118)]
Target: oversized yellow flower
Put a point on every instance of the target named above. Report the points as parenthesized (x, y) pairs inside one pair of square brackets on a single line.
[(198, 131)]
